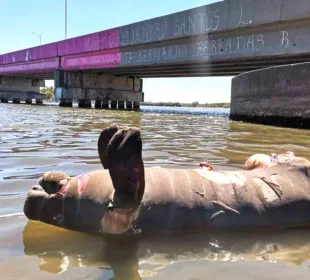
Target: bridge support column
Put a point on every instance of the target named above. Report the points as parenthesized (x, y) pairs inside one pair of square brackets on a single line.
[(275, 96), (64, 102), (106, 88), (84, 103), (98, 104), (128, 105), (105, 104), (28, 101), (39, 101), (136, 105), (113, 104), (121, 104), (4, 100), (20, 89)]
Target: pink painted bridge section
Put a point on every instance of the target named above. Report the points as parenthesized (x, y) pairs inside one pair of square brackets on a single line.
[(224, 38), (97, 50)]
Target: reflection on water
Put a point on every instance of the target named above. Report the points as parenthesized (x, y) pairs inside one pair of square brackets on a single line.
[(124, 255), (36, 139)]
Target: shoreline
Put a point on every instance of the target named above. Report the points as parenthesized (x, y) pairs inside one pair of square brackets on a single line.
[(194, 104)]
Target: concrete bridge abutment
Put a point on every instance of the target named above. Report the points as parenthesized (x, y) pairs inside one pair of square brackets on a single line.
[(17, 89), (107, 91), (278, 96)]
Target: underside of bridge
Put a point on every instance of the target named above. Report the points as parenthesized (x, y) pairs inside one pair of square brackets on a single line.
[(17, 89), (203, 69), (123, 87), (108, 91)]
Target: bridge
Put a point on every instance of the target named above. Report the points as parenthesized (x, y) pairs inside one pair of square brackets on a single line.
[(226, 38)]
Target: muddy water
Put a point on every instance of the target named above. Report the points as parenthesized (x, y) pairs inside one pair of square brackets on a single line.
[(35, 139)]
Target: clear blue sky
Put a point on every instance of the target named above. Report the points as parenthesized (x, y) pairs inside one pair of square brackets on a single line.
[(46, 17)]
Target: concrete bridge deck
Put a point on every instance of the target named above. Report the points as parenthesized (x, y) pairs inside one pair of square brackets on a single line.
[(224, 38)]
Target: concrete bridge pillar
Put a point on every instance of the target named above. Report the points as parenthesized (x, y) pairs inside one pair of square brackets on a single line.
[(63, 102), (121, 104), (98, 104), (128, 105), (20, 89), (105, 104), (136, 105), (113, 104), (101, 88), (84, 103), (28, 101), (276, 96), (39, 101)]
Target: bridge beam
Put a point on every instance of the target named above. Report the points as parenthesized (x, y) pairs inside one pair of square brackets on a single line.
[(17, 89), (101, 88), (277, 96)]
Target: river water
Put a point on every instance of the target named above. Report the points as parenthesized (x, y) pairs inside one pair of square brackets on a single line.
[(36, 139)]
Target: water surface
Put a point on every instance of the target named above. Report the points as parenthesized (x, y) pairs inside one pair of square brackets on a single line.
[(36, 139)]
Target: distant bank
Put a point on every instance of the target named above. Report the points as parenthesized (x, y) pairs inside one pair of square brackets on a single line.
[(193, 104)]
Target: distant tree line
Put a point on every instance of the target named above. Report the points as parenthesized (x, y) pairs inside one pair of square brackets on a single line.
[(193, 104), (217, 105), (49, 93)]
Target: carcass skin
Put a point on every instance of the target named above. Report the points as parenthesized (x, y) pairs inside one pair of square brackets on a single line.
[(177, 200)]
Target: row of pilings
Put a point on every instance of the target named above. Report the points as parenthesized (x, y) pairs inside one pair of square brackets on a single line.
[(82, 103), (19, 100), (101, 104)]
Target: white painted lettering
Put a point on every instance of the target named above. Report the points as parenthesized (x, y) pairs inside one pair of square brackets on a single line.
[(196, 23), (184, 26), (172, 52), (228, 45), (217, 19), (214, 46), (192, 24), (285, 41), (220, 45), (250, 44), (200, 48), (260, 39), (201, 17), (150, 55), (177, 28), (157, 31), (206, 47), (240, 43), (209, 19), (163, 30), (241, 21)]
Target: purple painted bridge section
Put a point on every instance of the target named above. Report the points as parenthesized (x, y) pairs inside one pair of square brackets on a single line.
[(98, 50), (224, 38)]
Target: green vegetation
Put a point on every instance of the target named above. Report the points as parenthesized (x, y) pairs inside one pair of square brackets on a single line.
[(173, 104), (217, 105), (48, 92), (193, 104), (49, 95)]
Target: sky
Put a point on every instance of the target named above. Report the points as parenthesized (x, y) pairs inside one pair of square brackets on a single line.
[(46, 17)]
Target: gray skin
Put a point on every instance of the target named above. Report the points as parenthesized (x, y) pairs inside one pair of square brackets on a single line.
[(128, 198), (184, 200)]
